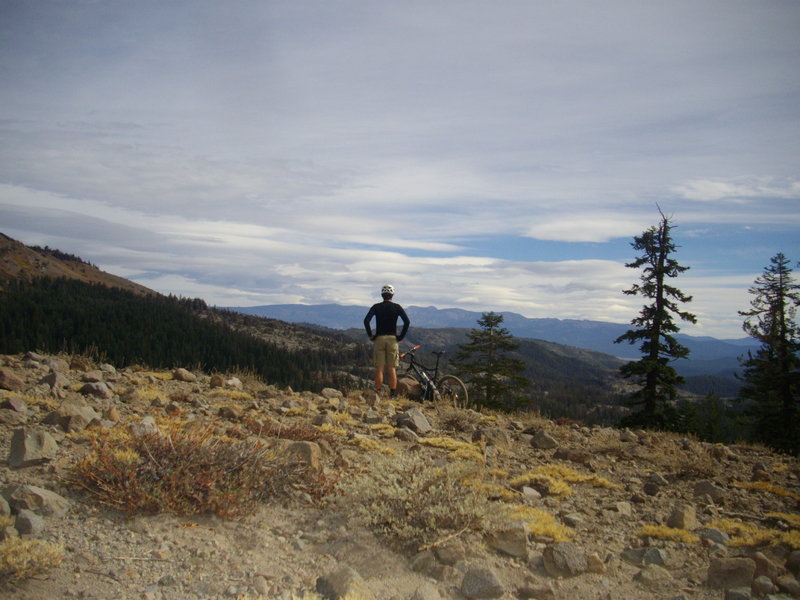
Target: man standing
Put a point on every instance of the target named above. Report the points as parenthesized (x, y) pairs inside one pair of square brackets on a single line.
[(385, 350)]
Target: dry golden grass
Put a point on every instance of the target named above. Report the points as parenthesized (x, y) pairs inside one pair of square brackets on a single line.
[(770, 488), (541, 523), (22, 558), (747, 534), (459, 450), (672, 534)]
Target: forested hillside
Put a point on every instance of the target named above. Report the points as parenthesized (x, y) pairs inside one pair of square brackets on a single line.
[(54, 315)]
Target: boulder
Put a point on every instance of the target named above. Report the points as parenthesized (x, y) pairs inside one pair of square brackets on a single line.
[(28, 523), (10, 381), (98, 389), (31, 447), (731, 572), (306, 453), (36, 499), (710, 489), (73, 415), (410, 388), (511, 539), (683, 516), (15, 404), (645, 556), (415, 420), (481, 582), (181, 374), (543, 440), (564, 559)]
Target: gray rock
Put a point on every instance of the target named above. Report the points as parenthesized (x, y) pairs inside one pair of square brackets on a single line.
[(372, 417), (95, 376), (55, 380), (30, 447), (543, 441), (56, 364), (539, 591), (331, 393), (73, 415), (511, 539), (322, 419), (451, 552), (415, 420), (305, 453), (767, 567), (10, 381), (8, 532), (98, 389), (788, 584), (15, 404), (341, 583), (406, 435), (731, 572), (481, 582), (763, 585), (653, 577), (715, 535), (184, 375), (738, 593), (28, 523), (492, 435), (36, 499), (564, 559), (708, 488), (683, 516), (5, 509), (12, 417), (645, 556)]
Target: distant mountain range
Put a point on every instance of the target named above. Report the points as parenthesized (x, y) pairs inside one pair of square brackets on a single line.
[(709, 356)]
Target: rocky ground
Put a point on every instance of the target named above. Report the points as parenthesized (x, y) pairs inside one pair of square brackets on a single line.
[(606, 486)]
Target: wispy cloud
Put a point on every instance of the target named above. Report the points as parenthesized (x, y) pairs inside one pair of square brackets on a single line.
[(490, 156)]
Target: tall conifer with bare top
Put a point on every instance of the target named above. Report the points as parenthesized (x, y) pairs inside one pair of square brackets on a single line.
[(655, 326)]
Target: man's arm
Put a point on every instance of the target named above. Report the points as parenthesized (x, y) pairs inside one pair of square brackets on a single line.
[(367, 319), (406, 323)]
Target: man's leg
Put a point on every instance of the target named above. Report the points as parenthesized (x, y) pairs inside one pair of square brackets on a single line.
[(392, 378), (379, 378)]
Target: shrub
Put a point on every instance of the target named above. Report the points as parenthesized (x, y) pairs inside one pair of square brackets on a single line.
[(415, 503), (21, 558), (186, 470)]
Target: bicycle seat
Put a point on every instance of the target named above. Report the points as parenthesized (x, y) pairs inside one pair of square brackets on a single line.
[(439, 352)]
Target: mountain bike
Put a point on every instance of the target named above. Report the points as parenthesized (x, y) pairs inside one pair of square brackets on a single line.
[(447, 387)]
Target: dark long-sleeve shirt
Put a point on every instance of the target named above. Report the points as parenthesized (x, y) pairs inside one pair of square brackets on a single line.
[(386, 314)]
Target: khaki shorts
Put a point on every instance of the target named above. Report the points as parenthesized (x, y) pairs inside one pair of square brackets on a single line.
[(386, 351)]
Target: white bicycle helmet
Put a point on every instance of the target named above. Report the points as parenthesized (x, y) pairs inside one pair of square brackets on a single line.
[(387, 289)]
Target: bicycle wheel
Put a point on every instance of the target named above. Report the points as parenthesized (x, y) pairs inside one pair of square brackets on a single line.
[(453, 391)]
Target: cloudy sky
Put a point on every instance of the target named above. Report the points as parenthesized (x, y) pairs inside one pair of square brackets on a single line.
[(487, 155)]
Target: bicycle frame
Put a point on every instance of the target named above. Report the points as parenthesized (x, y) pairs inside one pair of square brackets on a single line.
[(421, 372)]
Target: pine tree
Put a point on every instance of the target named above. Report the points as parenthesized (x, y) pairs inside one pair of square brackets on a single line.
[(771, 375), (657, 379), (493, 376)]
